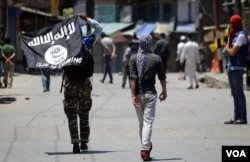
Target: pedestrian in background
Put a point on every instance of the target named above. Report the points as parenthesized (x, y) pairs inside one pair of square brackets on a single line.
[(77, 93), (125, 63), (180, 47), (109, 53), (143, 69), (45, 75), (237, 50), (1, 70), (8, 54), (135, 41), (248, 67), (224, 52), (192, 57), (203, 64), (24, 60), (161, 48)]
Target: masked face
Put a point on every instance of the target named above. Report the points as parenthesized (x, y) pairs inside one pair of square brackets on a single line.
[(235, 22), (232, 26)]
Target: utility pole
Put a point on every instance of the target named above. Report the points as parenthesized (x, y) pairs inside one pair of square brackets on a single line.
[(5, 18), (90, 9), (53, 7), (216, 21), (238, 9)]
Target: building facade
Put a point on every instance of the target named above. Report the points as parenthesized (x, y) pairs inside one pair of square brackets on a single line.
[(186, 16)]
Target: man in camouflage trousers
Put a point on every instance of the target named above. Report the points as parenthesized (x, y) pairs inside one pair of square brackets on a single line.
[(77, 94)]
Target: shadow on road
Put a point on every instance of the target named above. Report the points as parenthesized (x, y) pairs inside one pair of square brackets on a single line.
[(169, 159), (7, 100), (83, 152)]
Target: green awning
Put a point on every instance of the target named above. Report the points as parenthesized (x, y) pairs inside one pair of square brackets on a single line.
[(110, 28), (113, 27)]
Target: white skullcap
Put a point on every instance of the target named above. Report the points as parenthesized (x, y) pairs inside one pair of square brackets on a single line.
[(183, 37)]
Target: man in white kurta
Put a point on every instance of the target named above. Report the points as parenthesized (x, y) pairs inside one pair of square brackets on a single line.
[(180, 47), (190, 53)]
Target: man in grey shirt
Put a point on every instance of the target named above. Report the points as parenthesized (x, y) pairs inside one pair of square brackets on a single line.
[(109, 53)]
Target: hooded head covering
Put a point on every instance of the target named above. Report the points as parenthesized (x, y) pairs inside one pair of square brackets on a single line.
[(145, 43), (235, 25), (235, 20)]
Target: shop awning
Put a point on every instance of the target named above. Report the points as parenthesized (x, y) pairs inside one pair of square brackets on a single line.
[(132, 31), (109, 28), (113, 27), (163, 28), (118, 37), (188, 28), (156, 28), (146, 28), (210, 34), (214, 27), (27, 9)]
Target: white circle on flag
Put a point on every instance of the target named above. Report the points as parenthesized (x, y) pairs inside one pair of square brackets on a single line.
[(56, 54)]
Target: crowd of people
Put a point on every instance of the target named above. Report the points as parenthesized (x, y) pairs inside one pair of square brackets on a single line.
[(142, 62), (161, 48)]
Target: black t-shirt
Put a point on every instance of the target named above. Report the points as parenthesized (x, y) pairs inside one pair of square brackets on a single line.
[(152, 65)]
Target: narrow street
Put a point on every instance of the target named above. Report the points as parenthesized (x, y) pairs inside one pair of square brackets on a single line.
[(188, 126)]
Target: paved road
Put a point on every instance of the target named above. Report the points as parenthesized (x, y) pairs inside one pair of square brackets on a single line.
[(188, 127)]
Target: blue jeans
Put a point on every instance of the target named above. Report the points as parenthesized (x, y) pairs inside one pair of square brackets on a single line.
[(236, 83), (107, 68), (45, 74)]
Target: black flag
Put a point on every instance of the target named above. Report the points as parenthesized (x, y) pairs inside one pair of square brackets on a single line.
[(55, 46)]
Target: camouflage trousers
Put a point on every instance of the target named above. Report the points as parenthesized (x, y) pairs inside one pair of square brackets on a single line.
[(78, 102)]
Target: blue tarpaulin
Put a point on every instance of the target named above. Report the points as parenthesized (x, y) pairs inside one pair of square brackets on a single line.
[(188, 27), (146, 28)]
